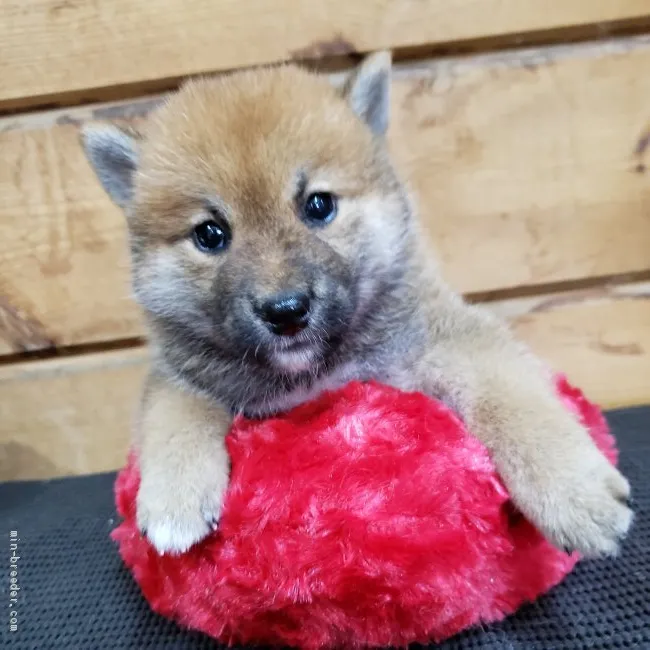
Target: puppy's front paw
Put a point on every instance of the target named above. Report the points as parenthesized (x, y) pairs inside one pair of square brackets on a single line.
[(593, 515), (175, 511), (582, 504)]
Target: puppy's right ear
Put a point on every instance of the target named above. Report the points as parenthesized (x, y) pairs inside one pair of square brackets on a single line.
[(113, 154)]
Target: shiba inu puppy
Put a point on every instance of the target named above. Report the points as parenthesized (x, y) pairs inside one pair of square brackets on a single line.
[(276, 255)]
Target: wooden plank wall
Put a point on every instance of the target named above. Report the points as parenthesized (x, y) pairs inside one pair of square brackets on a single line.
[(526, 149)]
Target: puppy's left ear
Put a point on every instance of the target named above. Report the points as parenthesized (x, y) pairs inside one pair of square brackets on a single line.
[(368, 91)]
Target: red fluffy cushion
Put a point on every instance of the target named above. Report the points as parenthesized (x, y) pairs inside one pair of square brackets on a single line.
[(369, 517)]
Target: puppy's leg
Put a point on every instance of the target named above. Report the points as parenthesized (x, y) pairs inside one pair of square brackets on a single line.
[(555, 473), (183, 463)]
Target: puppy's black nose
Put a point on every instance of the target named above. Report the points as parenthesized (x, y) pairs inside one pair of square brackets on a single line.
[(286, 313)]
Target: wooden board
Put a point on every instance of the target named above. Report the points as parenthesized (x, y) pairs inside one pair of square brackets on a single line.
[(599, 337), (529, 168), (67, 416), (63, 249), (72, 416), (121, 42)]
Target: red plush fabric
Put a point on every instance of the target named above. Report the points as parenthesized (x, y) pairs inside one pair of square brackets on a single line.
[(369, 517)]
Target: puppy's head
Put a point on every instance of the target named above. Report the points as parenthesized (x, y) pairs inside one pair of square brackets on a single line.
[(263, 211)]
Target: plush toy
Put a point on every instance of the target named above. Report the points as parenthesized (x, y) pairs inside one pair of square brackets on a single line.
[(367, 518)]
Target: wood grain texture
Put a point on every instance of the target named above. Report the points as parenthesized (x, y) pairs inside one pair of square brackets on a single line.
[(599, 337), (68, 416), (63, 249), (529, 168), (57, 47), (73, 416)]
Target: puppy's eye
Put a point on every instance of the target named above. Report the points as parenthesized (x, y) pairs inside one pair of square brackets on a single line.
[(320, 208), (211, 236)]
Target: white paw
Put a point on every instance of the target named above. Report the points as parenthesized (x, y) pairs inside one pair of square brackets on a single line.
[(175, 517), (584, 506), (177, 535), (594, 516)]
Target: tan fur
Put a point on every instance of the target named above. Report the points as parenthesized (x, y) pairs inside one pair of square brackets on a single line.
[(183, 463), (242, 141)]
